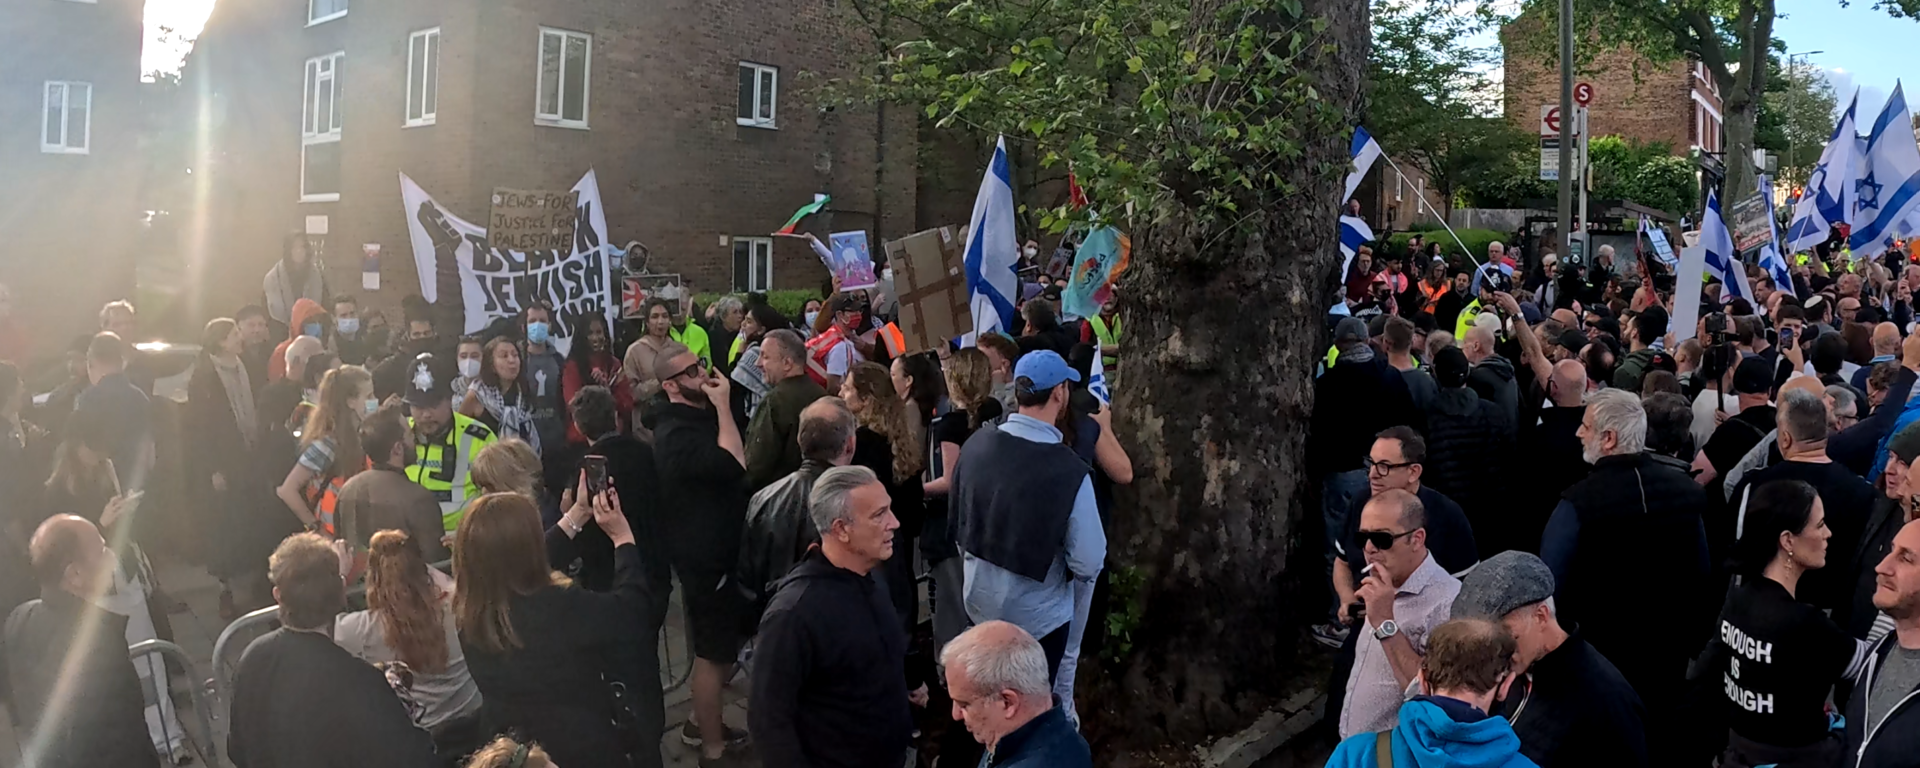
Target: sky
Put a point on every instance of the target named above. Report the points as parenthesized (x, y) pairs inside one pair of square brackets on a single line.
[(184, 17), (1860, 47)]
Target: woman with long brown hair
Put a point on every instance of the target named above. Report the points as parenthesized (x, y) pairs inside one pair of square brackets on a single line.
[(571, 669), (889, 442), (409, 620), (330, 451)]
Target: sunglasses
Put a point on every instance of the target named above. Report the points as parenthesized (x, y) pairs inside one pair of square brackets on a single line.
[(698, 369), (1382, 540)]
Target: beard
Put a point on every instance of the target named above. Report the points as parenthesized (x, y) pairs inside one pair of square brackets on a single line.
[(1590, 452)]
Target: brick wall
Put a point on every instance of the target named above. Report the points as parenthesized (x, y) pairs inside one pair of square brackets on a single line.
[(1633, 96)]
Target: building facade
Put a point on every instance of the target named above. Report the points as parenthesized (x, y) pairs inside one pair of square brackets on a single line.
[(70, 147), (1674, 102), (702, 121)]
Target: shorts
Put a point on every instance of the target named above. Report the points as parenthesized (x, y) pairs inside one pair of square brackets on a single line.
[(717, 616)]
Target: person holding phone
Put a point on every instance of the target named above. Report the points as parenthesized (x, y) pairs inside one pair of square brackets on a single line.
[(581, 549)]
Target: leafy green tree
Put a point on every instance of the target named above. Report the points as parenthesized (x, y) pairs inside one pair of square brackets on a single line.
[(1796, 119), (1428, 92)]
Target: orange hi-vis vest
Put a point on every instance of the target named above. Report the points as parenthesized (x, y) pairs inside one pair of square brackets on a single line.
[(325, 499), (819, 348), (896, 342)]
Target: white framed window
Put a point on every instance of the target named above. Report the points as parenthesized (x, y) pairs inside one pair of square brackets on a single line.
[(320, 129), (325, 10), (566, 64), (753, 263), (759, 94), (66, 125), (423, 76)]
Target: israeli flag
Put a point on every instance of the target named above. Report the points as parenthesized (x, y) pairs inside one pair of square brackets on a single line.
[(1889, 189), (1353, 234), (993, 249), (1364, 151), (1722, 261), (1829, 196), (1771, 259), (1097, 378)]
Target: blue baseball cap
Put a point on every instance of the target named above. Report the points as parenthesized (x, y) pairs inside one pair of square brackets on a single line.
[(1045, 369)]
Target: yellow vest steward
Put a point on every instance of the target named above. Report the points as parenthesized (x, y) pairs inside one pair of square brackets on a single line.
[(1109, 339), (452, 484)]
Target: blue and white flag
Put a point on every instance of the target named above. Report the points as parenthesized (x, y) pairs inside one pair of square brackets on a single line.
[(1097, 377), (993, 249), (1353, 234), (1889, 189), (1771, 259), (1829, 196), (1364, 151), (1723, 261)]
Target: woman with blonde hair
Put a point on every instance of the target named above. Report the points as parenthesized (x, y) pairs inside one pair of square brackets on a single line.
[(409, 621), (504, 752), (572, 669), (889, 443), (508, 466), (330, 451), (970, 389)]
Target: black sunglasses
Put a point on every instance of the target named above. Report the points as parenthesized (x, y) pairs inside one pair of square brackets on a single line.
[(698, 369), (1382, 540)]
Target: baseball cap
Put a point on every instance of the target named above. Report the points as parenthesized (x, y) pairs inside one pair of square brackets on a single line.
[(1906, 443), (1572, 341), (1045, 369), (1450, 368), (1753, 377), (1350, 329), (1501, 584), (430, 379)]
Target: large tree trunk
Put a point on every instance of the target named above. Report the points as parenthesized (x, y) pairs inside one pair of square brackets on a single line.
[(1212, 402)]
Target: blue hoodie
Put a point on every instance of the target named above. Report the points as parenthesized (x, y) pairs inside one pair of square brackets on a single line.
[(1438, 733)]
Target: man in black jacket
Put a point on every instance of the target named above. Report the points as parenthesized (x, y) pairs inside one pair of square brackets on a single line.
[(73, 689), (1571, 707), (829, 673), (301, 700), (778, 531), (631, 471), (1468, 441), (1883, 715), (1854, 448), (703, 502)]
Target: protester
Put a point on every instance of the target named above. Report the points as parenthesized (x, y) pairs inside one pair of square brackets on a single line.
[(1357, 397), (1752, 384), (1469, 440), (226, 428), (114, 400), (257, 343), (996, 675), (309, 319), (1465, 671), (1405, 593), (586, 554), (445, 443), (1024, 512), (723, 332), (918, 381), (1044, 330), (510, 466), (296, 671), (778, 532), (542, 366), (833, 350), (643, 354), (382, 498), (1648, 327), (1568, 704), (71, 686), (703, 499), (970, 385), (1105, 329), (772, 451), (891, 444), (760, 320), (690, 334), (499, 397), (572, 669), (1716, 401), (829, 682), (409, 621), (1883, 726), (590, 362), (1492, 375), (330, 451), (1886, 343), (1632, 506), (505, 752), (423, 337), (294, 277), (1399, 348), (350, 338), (1001, 354), (1896, 500)]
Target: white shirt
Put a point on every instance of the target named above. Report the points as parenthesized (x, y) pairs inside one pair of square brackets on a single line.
[(842, 358), (1703, 408)]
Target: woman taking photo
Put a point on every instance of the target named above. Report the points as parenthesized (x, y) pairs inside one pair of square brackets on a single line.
[(409, 619), (759, 319), (1778, 657), (889, 442), (226, 427), (498, 398), (571, 669), (590, 361), (329, 447)]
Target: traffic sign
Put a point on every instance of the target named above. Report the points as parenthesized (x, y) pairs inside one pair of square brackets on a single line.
[(1550, 120), (1583, 93)]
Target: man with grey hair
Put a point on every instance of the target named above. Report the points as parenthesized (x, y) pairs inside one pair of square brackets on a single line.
[(1570, 705), (997, 676), (772, 448), (1628, 551), (829, 672), (779, 531)]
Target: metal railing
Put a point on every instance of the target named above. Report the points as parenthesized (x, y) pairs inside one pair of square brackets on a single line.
[(204, 745)]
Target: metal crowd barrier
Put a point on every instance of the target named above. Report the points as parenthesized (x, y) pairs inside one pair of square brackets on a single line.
[(203, 745)]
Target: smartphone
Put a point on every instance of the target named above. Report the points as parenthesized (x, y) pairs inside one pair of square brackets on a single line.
[(1786, 338), (596, 468)]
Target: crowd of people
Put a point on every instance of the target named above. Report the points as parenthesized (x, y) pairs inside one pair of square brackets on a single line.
[(1562, 531), (471, 541)]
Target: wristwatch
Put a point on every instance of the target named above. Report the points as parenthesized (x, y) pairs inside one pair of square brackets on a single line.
[(1385, 630)]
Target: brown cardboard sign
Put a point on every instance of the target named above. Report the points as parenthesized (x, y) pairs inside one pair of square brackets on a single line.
[(930, 276), (532, 220)]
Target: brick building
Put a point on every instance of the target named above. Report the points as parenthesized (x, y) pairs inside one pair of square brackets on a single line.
[(700, 119), (1676, 102), (69, 144)]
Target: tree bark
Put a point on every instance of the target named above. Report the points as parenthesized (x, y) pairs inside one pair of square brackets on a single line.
[(1213, 408)]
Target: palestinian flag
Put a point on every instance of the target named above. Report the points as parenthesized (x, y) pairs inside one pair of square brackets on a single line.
[(819, 202)]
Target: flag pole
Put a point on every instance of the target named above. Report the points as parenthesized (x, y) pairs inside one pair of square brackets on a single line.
[(1443, 217)]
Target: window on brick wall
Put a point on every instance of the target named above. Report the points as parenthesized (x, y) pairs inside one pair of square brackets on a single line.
[(752, 263), (66, 124), (566, 61), (320, 130), (423, 76), (759, 94), (325, 10)]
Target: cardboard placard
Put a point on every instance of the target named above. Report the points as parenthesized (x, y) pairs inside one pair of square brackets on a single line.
[(929, 272), (532, 220)]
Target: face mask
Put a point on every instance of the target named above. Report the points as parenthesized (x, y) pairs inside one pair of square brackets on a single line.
[(348, 325), (1032, 252), (536, 333), (812, 316), (470, 368), (371, 406), (311, 329), (886, 273)]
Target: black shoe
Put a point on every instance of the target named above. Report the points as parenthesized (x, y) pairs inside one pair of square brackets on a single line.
[(690, 735)]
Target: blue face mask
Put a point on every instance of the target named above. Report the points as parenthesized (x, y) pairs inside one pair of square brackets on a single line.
[(536, 333), (311, 329), (347, 325)]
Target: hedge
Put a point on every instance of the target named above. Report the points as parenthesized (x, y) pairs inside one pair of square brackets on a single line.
[(1476, 241), (791, 303)]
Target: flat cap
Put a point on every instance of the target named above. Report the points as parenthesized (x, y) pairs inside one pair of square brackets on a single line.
[(1501, 584)]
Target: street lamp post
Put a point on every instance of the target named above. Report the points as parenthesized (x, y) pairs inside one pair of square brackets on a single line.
[(1793, 157)]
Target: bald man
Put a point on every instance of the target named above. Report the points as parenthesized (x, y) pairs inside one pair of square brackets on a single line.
[(1553, 448), (1886, 349), (67, 658)]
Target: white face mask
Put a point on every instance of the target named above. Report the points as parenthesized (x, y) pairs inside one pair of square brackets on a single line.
[(812, 316), (1032, 252), (470, 367)]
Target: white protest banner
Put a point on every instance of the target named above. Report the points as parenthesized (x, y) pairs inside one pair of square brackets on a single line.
[(1685, 322), (451, 255)]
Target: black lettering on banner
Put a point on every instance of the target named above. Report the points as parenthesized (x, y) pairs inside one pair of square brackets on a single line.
[(484, 260), (498, 291), (570, 276)]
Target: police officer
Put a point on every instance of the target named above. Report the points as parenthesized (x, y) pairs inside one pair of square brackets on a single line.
[(445, 442)]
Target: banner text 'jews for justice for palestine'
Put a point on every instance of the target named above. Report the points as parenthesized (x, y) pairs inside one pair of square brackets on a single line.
[(452, 255)]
